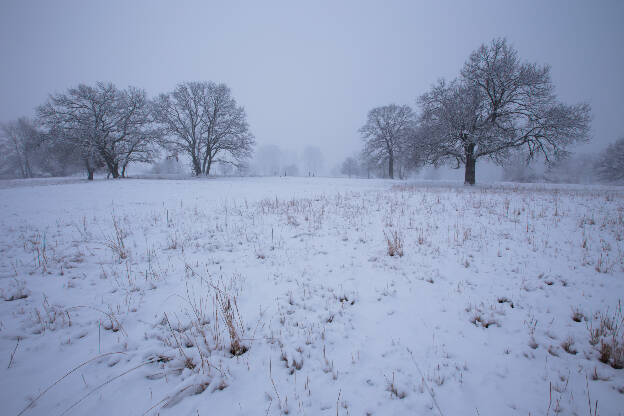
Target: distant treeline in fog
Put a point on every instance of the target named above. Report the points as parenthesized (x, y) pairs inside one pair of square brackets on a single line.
[(499, 109)]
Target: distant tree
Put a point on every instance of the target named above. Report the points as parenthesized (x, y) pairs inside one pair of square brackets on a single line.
[(291, 170), (109, 126), (268, 160), (367, 164), (497, 106), (313, 160), (225, 169), (519, 168), (26, 151), (19, 143), (609, 165), (168, 165), (203, 120), (386, 134), (575, 168), (58, 157), (349, 167)]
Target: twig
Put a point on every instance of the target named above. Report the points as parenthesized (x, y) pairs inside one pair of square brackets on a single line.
[(65, 376), (273, 382), (13, 353), (105, 383), (435, 402)]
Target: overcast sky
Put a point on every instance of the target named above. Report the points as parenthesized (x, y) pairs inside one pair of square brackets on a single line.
[(306, 74)]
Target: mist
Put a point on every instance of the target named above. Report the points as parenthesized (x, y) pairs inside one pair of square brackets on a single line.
[(306, 74)]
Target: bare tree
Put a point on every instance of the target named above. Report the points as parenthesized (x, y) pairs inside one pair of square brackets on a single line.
[(575, 168), (450, 123), (19, 143), (386, 134), (57, 157), (610, 164), (291, 170), (203, 120), (499, 105), (181, 114), (367, 165), (136, 134), (26, 151), (109, 126), (228, 133), (268, 160), (313, 160), (349, 167), (520, 169)]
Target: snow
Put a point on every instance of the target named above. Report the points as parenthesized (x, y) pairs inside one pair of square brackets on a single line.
[(114, 294)]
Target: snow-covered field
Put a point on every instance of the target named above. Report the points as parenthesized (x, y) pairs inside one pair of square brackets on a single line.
[(278, 296)]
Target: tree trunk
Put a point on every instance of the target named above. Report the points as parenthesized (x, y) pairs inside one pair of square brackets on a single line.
[(113, 169), (90, 170), (469, 177), (204, 162), (28, 169), (391, 167), (208, 165), (197, 168)]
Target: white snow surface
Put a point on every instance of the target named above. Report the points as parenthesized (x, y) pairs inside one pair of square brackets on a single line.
[(115, 298)]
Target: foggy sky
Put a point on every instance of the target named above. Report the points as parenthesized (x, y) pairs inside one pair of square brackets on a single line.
[(307, 74)]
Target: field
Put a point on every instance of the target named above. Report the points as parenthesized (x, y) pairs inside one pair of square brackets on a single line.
[(311, 296)]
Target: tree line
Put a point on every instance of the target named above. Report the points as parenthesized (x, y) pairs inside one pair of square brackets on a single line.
[(102, 126), (496, 107)]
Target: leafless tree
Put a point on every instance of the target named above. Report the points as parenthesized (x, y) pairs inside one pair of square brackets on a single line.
[(312, 160), (349, 167), (268, 160), (291, 170), (109, 126), (367, 165), (498, 105), (136, 134), (610, 164), (386, 134), (203, 120), (19, 142), (450, 123), (576, 168), (518, 168), (26, 151), (228, 131)]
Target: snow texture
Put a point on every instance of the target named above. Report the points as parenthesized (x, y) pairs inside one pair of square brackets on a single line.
[(278, 295)]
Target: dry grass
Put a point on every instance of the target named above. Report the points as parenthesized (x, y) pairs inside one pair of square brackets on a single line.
[(606, 335), (394, 239), (116, 241), (568, 346), (231, 318)]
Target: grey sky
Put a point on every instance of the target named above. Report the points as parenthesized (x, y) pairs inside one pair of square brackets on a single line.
[(306, 73)]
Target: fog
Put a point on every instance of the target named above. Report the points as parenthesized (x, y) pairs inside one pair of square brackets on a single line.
[(307, 74)]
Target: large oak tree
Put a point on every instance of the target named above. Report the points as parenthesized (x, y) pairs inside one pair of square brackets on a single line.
[(499, 104), (203, 120), (107, 125)]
